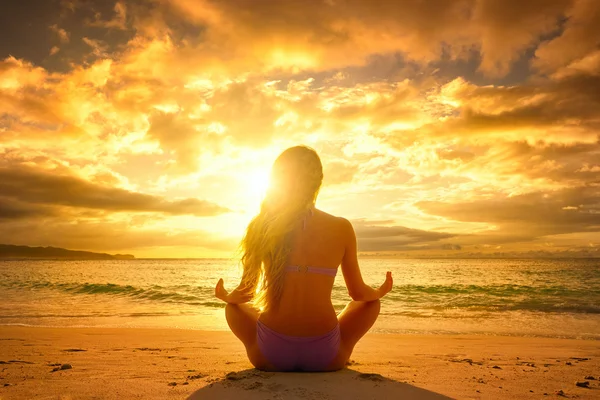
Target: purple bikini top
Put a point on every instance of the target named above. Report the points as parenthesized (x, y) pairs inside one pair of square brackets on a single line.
[(312, 270)]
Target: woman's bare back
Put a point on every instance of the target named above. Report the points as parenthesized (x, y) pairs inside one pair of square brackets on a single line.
[(305, 308)]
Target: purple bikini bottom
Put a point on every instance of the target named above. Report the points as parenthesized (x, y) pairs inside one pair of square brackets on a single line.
[(298, 353)]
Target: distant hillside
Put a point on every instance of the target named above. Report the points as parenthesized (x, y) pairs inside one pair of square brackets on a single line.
[(11, 251)]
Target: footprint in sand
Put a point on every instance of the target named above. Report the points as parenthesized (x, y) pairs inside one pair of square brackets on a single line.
[(371, 377)]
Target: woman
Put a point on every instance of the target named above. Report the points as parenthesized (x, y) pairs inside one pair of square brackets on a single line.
[(290, 260)]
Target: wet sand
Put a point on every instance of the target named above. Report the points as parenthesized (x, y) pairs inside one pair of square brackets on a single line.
[(135, 363)]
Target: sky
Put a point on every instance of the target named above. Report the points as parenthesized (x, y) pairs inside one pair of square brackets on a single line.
[(446, 128)]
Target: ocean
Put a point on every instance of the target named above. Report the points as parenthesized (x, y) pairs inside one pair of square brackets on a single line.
[(548, 298)]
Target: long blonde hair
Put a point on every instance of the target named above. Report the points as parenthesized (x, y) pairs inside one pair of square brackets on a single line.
[(296, 178)]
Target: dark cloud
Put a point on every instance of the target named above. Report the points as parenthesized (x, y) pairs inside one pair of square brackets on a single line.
[(578, 36), (537, 214), (43, 25), (11, 209), (374, 236), (509, 27), (28, 185), (347, 32), (567, 107)]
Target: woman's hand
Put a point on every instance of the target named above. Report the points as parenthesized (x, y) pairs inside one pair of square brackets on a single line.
[(220, 292), (387, 285), (237, 296)]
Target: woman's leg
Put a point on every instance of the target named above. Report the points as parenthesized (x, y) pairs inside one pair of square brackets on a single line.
[(242, 319), (355, 320)]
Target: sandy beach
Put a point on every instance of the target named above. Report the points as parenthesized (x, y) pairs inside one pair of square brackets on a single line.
[(125, 363)]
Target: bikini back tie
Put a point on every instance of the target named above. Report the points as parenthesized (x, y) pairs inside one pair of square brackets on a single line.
[(312, 270)]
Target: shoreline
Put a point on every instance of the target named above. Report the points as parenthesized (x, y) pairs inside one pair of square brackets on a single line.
[(375, 331), (159, 363)]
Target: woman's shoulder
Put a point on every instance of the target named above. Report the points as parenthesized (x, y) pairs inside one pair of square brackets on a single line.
[(339, 222)]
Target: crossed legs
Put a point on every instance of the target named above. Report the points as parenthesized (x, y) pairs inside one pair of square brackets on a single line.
[(355, 320)]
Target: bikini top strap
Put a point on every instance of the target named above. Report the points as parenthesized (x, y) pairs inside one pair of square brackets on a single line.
[(309, 214)]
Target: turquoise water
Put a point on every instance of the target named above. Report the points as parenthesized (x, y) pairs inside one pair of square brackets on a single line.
[(556, 298)]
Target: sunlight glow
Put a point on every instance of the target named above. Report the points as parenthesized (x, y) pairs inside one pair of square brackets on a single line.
[(289, 58), (256, 183)]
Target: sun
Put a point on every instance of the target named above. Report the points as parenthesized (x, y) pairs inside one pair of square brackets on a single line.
[(257, 182), (260, 182)]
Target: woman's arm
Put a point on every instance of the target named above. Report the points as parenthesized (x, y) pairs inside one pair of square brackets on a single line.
[(238, 295), (357, 288)]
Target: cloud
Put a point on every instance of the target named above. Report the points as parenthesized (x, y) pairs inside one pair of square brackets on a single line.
[(509, 28), (34, 103), (99, 49), (63, 35), (13, 210), (570, 103), (16, 74), (318, 34), (324, 35), (571, 164), (576, 40), (587, 65), (338, 172), (377, 236), (47, 188), (537, 214), (118, 21)]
